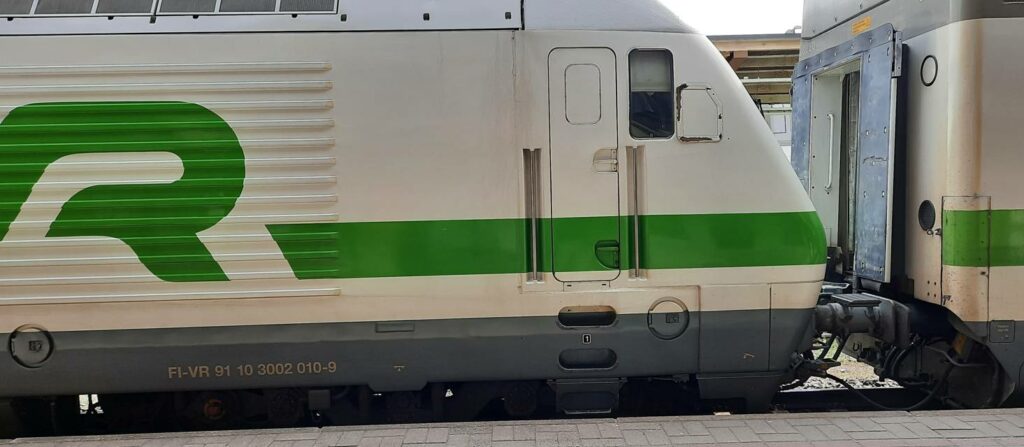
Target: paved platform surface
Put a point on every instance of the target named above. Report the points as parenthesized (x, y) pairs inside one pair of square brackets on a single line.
[(1003, 427)]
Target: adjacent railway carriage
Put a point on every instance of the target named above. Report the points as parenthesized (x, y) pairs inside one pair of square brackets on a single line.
[(441, 202), (907, 138)]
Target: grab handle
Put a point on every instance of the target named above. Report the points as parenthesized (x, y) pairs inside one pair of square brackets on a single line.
[(831, 149), (633, 155), (532, 174)]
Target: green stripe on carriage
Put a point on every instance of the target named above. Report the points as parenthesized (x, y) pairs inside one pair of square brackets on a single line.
[(983, 238), (495, 246)]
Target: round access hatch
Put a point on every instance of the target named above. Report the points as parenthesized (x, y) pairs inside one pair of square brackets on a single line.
[(30, 346), (668, 318)]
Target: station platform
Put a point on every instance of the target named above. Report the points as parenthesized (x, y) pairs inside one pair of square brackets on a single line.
[(1000, 427)]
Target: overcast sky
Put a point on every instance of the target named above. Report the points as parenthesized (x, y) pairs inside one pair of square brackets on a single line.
[(716, 17)]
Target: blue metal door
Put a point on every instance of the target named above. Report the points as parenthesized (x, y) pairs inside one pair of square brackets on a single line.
[(879, 54)]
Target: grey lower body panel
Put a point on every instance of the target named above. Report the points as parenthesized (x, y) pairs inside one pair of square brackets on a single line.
[(396, 356), (1006, 341)]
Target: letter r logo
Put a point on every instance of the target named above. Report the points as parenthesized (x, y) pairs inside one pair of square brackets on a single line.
[(159, 222)]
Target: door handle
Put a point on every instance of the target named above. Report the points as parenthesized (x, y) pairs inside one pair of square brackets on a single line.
[(607, 254), (606, 160)]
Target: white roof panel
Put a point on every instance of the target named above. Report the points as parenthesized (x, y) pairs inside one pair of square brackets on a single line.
[(350, 15)]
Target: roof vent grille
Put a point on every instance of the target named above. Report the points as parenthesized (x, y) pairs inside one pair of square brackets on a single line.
[(49, 7)]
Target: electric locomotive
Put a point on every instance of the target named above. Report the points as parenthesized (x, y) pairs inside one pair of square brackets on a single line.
[(238, 209)]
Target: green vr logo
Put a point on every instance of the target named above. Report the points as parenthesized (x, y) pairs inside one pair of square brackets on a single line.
[(159, 222)]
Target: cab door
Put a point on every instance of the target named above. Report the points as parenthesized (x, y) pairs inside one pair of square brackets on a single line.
[(585, 229)]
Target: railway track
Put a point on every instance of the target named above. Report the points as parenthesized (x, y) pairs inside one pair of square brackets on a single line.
[(804, 401)]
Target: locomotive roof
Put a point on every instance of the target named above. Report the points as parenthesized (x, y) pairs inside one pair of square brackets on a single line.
[(35, 17)]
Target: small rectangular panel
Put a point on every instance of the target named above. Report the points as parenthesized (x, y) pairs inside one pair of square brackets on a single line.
[(188, 5), (248, 5), (1001, 331), (778, 124), (861, 25), (700, 116), (582, 94), (64, 6), (308, 5), (395, 326), (13, 7), (124, 7)]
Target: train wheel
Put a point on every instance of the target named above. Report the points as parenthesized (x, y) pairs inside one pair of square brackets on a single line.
[(980, 383)]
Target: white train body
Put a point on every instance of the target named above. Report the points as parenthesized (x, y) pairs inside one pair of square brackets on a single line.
[(416, 192)]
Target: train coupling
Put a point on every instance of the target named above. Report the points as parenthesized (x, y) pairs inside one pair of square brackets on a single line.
[(862, 313)]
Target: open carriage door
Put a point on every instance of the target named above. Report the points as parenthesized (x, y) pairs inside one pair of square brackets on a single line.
[(844, 146)]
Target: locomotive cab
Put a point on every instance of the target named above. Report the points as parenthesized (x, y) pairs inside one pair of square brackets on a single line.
[(357, 207)]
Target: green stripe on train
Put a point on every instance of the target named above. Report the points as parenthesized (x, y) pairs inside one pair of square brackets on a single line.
[(983, 238), (468, 247), (160, 222)]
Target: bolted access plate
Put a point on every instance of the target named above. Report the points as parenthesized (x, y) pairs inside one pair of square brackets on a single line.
[(31, 346), (668, 318)]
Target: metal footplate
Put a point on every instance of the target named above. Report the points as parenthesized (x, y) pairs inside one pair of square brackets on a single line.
[(586, 396), (857, 300)]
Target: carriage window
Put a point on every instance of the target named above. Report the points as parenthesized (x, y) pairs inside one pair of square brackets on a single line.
[(651, 108)]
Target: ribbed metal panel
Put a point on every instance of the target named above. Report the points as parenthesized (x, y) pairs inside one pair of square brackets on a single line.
[(248, 5), (307, 5), (16, 7), (278, 111), (124, 7), (188, 6), (64, 6)]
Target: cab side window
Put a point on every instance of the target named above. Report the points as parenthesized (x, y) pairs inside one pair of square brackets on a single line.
[(651, 106)]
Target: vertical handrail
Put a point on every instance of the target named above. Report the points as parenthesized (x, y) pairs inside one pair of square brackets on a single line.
[(831, 149), (633, 159), (531, 171)]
